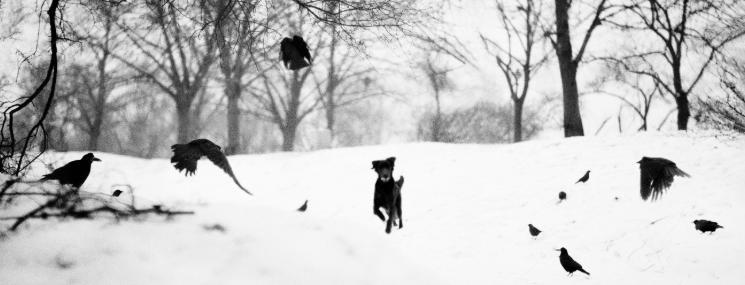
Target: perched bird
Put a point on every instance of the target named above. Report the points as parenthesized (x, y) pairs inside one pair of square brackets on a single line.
[(568, 263), (657, 175), (294, 52), (185, 156), (73, 173), (584, 178), (116, 193), (706, 226), (562, 196), (533, 230), (303, 207)]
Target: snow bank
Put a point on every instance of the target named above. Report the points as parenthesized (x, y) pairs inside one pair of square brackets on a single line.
[(466, 210)]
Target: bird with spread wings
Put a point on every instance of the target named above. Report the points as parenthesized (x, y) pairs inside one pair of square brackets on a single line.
[(185, 157), (294, 53), (657, 175)]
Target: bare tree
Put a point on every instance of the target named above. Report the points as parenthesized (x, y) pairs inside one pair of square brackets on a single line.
[(643, 97), (569, 62), (176, 53), (13, 150), (437, 78), (727, 111), (239, 32), (689, 35), (518, 65), (101, 36)]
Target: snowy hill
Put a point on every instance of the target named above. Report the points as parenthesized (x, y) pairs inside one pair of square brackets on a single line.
[(465, 208)]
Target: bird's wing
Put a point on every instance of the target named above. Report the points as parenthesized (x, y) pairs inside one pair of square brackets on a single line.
[(63, 172), (215, 154), (185, 157), (285, 51), (645, 182), (302, 47)]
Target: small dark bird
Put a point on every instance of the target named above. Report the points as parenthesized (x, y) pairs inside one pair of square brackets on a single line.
[(116, 193), (568, 262), (656, 176), (303, 207), (294, 52), (562, 196), (533, 230), (706, 226), (584, 178), (185, 156), (73, 173)]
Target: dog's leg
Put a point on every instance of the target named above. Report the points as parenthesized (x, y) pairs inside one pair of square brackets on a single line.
[(398, 213), (377, 212), (388, 225)]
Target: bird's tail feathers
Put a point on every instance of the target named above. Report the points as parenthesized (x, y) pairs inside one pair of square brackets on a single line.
[(583, 271), (678, 172)]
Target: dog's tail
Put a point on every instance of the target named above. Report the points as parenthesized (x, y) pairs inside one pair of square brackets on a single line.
[(400, 182)]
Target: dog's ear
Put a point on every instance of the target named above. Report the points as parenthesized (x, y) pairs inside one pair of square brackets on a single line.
[(391, 160), (375, 164)]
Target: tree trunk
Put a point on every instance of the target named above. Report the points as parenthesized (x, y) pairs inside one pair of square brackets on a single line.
[(437, 122), (683, 111), (232, 91), (568, 69), (288, 137), (518, 121), (183, 110)]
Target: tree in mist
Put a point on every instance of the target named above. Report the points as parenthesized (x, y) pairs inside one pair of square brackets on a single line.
[(438, 80), (239, 32), (174, 52), (637, 93), (518, 58), (688, 35), (569, 62), (727, 111), (97, 80), (483, 122)]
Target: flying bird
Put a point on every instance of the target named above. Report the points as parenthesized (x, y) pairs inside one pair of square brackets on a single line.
[(303, 207), (706, 226), (568, 262), (584, 178), (185, 157), (562, 196), (656, 176), (294, 53), (533, 230), (73, 173)]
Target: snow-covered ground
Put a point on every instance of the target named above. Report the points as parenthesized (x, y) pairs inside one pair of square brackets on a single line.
[(465, 208)]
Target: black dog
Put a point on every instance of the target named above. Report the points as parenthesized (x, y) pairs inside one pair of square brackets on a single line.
[(387, 193)]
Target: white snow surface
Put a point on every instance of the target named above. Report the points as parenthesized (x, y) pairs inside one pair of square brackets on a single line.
[(466, 209)]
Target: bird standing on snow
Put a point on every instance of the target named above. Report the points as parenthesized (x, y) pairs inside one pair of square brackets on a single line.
[(562, 196), (294, 52), (657, 175), (185, 156), (706, 226), (303, 207), (73, 173), (568, 262), (584, 178), (533, 230)]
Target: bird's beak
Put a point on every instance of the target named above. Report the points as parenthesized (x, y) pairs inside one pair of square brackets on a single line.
[(96, 159)]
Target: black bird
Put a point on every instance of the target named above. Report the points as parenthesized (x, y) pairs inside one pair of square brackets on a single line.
[(706, 226), (562, 196), (116, 193), (568, 263), (185, 156), (73, 173), (294, 52), (533, 230), (584, 178), (303, 207), (656, 176)]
